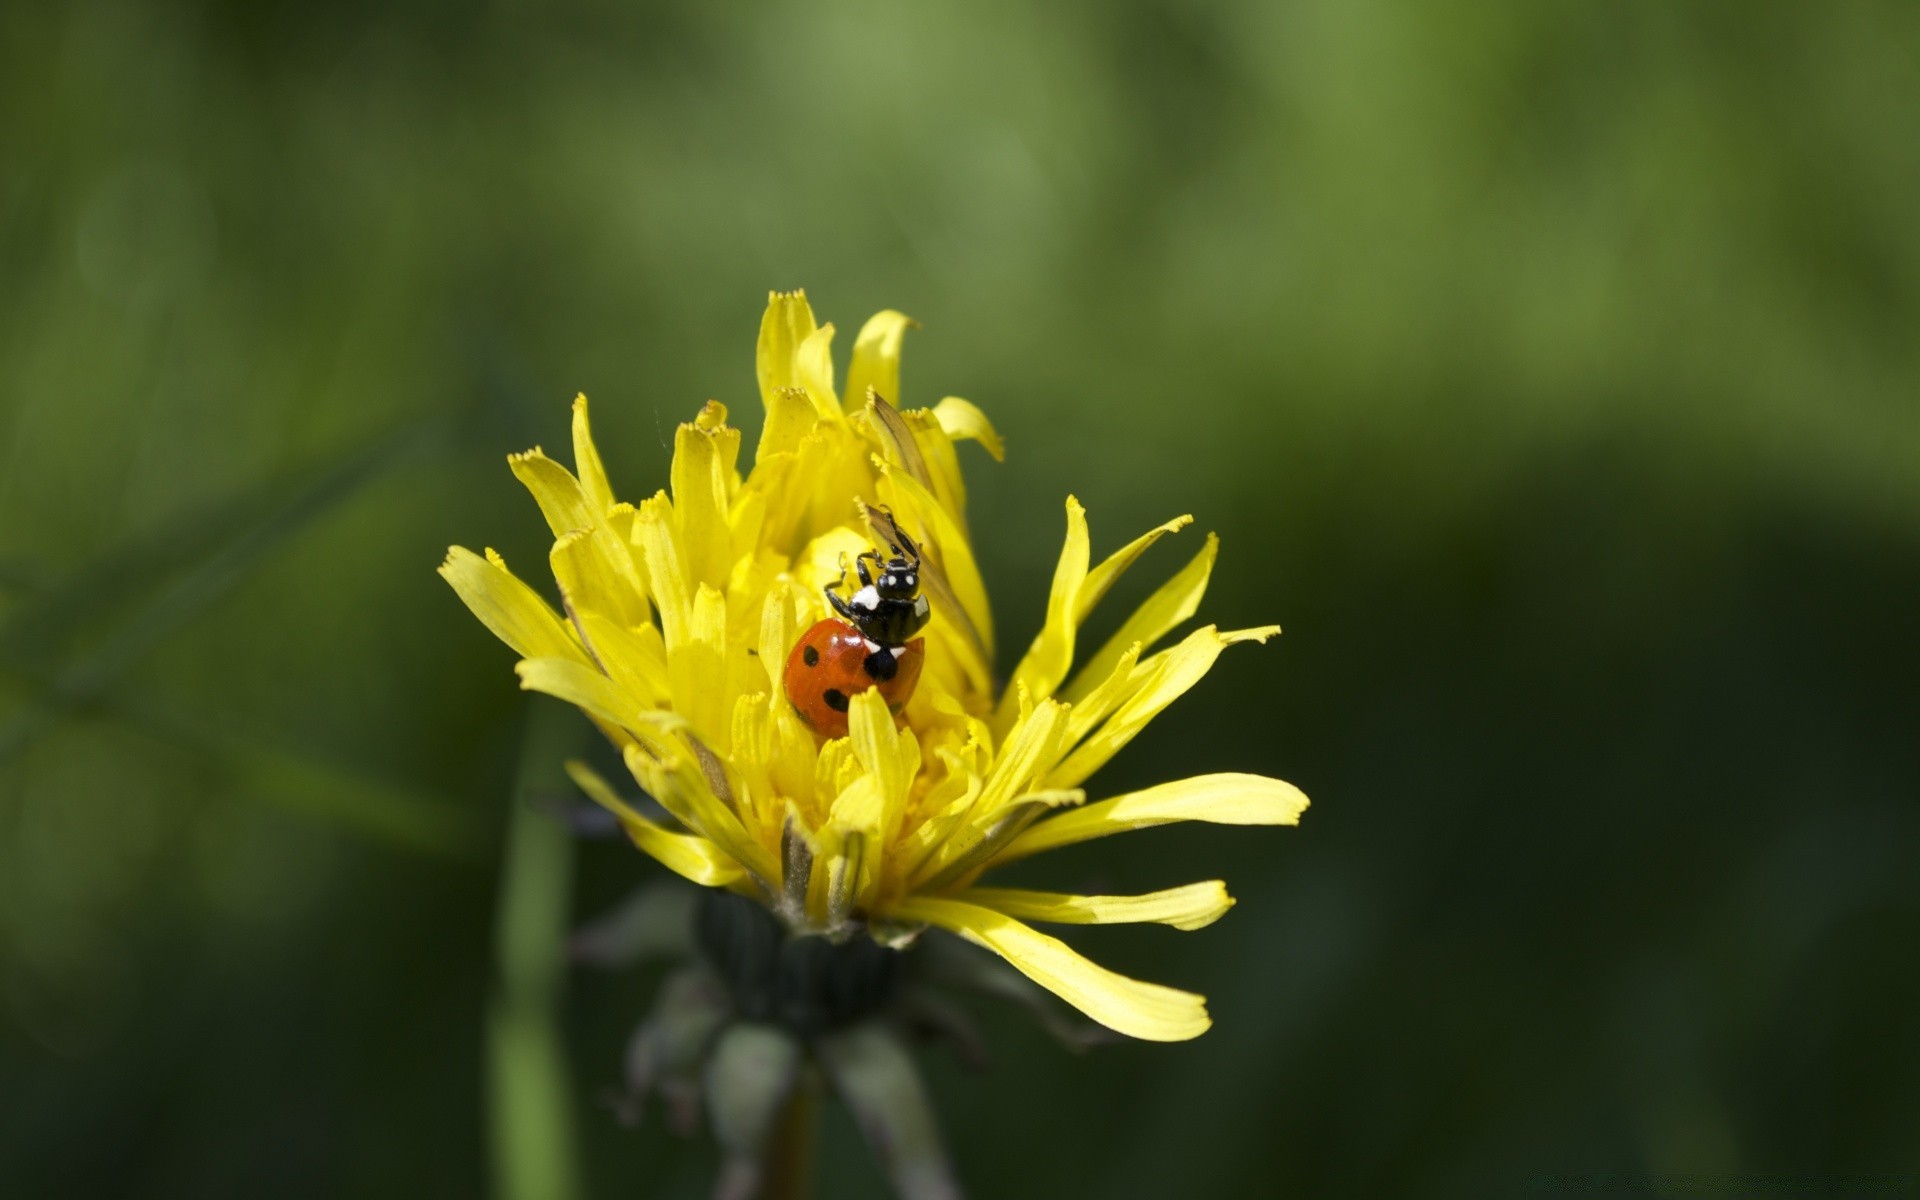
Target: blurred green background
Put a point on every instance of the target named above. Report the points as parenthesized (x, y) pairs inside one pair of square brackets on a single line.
[(1549, 371)]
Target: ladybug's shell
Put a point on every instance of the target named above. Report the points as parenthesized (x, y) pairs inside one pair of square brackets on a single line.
[(823, 683)]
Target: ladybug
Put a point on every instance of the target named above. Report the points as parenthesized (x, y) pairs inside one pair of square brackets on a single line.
[(870, 644)]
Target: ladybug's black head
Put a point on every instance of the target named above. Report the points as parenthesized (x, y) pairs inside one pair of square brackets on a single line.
[(900, 575), (899, 580)]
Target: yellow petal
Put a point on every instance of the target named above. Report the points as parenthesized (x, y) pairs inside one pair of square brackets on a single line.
[(583, 687), (964, 853), (793, 751), (1194, 906), (595, 573), (1224, 799), (654, 533), (842, 874), (554, 489), (787, 323), (1086, 714), (943, 810), (566, 505), (688, 793), (811, 488), (778, 632), (763, 806), (790, 417), (1158, 682), (1102, 577), (861, 805), (962, 420), (1173, 602), (701, 477), (876, 359), (1076, 590), (1030, 751), (1131, 1006), (696, 669), (1046, 662), (891, 758), (623, 552), (916, 506), (813, 370), (685, 854), (513, 611), (938, 460), (632, 656), (829, 769), (745, 520), (586, 460)]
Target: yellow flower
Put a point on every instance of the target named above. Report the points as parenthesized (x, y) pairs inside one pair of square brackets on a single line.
[(675, 624)]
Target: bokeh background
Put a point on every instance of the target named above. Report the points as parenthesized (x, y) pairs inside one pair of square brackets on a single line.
[(1549, 372)]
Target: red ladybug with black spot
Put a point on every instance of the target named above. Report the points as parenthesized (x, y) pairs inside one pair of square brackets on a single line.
[(871, 644)]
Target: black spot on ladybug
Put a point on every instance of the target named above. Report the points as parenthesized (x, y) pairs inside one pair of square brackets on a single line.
[(810, 656), (881, 665), (836, 699)]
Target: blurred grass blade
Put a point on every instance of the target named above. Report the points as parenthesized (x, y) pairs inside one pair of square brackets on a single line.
[(88, 677), (532, 1109), (376, 808), (55, 608)]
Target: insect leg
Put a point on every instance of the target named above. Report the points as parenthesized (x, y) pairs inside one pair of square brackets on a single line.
[(832, 590), (906, 543)]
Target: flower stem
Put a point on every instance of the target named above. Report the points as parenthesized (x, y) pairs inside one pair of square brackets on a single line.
[(534, 1150), (790, 1158)]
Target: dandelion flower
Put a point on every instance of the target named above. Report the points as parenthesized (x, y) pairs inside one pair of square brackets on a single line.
[(677, 615)]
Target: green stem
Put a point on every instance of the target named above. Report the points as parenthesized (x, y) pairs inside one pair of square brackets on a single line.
[(790, 1157), (534, 1154)]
